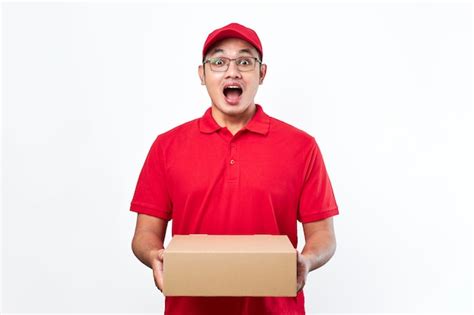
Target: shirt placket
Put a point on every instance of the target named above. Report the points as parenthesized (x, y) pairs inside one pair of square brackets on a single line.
[(233, 164)]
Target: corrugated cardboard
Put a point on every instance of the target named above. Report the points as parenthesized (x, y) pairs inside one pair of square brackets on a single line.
[(229, 265)]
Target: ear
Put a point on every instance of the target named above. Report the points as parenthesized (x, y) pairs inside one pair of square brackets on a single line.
[(263, 73), (202, 75)]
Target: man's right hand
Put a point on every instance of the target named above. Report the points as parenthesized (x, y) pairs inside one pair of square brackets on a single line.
[(157, 266)]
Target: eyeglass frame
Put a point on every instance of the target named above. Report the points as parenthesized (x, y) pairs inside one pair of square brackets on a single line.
[(208, 60)]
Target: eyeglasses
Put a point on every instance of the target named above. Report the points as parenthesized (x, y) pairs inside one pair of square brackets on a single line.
[(221, 64)]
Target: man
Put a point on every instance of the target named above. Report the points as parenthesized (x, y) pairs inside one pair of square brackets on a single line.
[(235, 170)]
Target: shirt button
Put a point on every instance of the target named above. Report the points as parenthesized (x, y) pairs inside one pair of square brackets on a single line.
[(232, 162)]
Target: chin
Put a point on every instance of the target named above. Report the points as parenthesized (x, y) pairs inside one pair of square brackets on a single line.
[(231, 108)]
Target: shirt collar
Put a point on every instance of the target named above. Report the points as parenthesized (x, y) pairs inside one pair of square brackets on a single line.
[(259, 123)]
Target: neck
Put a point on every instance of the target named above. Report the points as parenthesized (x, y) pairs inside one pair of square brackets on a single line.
[(233, 122)]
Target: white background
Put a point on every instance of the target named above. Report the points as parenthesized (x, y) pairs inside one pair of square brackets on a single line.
[(386, 89)]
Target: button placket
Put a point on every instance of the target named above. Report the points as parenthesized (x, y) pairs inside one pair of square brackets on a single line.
[(233, 162)]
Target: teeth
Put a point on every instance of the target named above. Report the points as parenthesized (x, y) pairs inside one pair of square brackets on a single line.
[(233, 87)]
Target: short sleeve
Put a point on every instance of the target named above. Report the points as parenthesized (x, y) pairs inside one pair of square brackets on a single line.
[(317, 201), (151, 194)]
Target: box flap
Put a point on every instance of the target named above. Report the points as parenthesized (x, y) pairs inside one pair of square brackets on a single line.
[(230, 243)]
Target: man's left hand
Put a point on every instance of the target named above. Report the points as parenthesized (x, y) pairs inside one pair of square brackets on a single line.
[(302, 270)]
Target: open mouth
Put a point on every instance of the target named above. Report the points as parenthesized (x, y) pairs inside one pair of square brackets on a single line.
[(232, 93)]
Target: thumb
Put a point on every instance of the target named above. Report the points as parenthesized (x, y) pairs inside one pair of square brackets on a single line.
[(161, 254)]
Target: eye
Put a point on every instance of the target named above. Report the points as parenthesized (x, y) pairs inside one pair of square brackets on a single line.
[(217, 61), (244, 61)]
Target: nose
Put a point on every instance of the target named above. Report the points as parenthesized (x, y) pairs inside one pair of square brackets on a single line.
[(233, 71)]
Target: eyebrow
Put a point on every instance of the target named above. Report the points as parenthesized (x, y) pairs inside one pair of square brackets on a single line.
[(220, 50)]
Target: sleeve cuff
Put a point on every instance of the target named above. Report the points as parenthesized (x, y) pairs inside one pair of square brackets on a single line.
[(140, 208), (318, 215)]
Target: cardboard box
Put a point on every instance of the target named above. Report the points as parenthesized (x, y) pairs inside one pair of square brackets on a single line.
[(229, 265)]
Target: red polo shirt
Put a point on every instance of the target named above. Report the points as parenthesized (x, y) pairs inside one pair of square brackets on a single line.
[(259, 181)]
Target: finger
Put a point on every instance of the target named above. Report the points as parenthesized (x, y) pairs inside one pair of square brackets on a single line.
[(158, 282), (161, 254), (159, 277), (300, 257), (300, 280), (155, 279), (300, 285)]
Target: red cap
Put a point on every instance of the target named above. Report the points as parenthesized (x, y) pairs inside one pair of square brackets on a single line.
[(233, 30)]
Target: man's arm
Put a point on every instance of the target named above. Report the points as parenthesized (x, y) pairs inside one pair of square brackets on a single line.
[(319, 248), (320, 242), (147, 244)]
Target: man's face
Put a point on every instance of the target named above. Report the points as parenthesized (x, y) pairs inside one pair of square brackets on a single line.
[(233, 91)]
